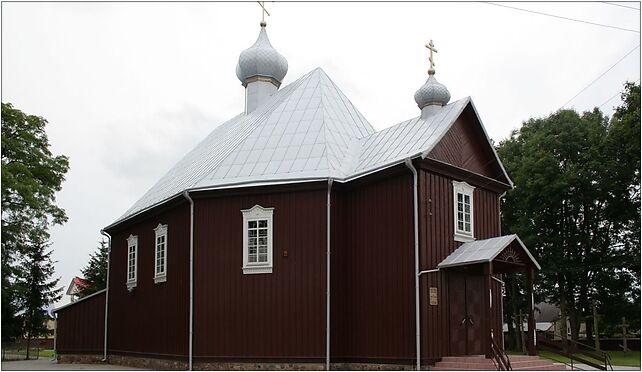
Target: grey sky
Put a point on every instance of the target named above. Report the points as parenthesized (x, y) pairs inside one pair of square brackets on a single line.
[(128, 88)]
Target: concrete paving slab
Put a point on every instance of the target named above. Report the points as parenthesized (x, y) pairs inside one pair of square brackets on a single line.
[(49, 365)]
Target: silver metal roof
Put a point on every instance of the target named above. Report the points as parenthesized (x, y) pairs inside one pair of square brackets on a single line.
[(432, 93), (480, 251), (261, 59), (308, 130)]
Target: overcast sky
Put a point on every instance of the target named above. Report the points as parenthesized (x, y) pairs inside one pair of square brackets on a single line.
[(128, 88)]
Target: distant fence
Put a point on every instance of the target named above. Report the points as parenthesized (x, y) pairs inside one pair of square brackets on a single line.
[(80, 326), (18, 350)]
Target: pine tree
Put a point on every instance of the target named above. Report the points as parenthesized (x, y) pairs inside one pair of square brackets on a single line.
[(37, 287), (31, 176), (95, 272)]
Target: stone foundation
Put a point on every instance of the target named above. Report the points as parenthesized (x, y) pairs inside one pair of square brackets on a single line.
[(258, 366), (148, 363), (181, 365), (371, 367), (79, 358)]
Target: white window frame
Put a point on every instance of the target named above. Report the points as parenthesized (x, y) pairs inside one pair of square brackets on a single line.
[(467, 190), (132, 242), (160, 231), (257, 213)]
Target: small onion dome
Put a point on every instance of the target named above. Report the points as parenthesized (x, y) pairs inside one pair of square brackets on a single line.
[(432, 93), (261, 62)]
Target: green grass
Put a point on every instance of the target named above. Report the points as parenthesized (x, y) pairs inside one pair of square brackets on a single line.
[(32, 353), (618, 358)]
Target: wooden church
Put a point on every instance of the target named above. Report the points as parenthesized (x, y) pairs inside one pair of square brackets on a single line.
[(296, 236)]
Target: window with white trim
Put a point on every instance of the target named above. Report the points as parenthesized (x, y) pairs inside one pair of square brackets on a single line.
[(132, 261), (160, 254), (463, 211), (257, 240)]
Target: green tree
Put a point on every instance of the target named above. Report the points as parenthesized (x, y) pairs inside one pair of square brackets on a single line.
[(576, 202), (37, 287), (31, 175), (96, 270)]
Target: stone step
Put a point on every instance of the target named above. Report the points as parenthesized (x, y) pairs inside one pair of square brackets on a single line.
[(464, 359), (480, 363), (481, 366)]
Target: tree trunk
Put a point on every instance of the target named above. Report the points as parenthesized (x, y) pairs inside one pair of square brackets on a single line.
[(511, 333), (563, 316), (575, 325), (520, 328), (589, 332), (595, 325), (28, 344)]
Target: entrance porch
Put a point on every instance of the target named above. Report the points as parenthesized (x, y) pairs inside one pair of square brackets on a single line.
[(474, 272)]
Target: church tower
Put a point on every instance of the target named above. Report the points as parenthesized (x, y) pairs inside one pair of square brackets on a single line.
[(261, 70)]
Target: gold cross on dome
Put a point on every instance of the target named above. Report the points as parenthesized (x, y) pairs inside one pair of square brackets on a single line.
[(264, 12), (431, 46)]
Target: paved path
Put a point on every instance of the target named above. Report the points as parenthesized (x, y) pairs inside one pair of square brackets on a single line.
[(47, 365), (584, 367)]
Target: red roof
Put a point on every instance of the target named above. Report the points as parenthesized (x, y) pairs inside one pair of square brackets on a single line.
[(80, 282)]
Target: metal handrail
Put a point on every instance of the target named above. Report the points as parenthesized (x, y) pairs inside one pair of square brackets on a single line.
[(594, 353), (500, 358)]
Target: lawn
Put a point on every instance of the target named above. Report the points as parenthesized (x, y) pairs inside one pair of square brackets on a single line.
[(32, 353), (618, 358)]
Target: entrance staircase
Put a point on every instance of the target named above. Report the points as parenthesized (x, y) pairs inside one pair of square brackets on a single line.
[(480, 363)]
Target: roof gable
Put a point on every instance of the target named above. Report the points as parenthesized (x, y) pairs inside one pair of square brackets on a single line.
[(465, 145), (486, 250)]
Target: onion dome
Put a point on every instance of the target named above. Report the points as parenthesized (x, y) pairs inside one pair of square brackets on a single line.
[(261, 62), (432, 93)]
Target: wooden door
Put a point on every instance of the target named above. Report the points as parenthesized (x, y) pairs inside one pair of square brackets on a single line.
[(466, 303)]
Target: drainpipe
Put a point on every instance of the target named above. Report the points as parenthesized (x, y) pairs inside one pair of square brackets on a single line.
[(104, 233), (55, 356), (327, 275), (191, 278), (416, 231)]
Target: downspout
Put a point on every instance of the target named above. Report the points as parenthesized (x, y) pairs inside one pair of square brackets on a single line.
[(104, 233), (327, 275), (55, 356), (416, 237), (191, 279)]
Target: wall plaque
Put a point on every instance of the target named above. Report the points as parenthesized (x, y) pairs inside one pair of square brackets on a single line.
[(433, 296)]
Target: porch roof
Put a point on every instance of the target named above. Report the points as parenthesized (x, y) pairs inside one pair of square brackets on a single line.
[(480, 251)]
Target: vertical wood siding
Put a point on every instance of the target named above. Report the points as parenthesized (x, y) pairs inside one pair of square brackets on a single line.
[(464, 146), (437, 242), (277, 315), (373, 265), (81, 327), (152, 318)]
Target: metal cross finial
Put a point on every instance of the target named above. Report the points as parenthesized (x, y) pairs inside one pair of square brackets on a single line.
[(431, 46), (264, 12)]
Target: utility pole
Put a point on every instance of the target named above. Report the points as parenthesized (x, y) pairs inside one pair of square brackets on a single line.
[(624, 325)]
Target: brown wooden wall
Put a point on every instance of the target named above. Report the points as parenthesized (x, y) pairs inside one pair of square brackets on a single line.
[(153, 318), (81, 326), (465, 146), (372, 270), (437, 242), (278, 315)]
